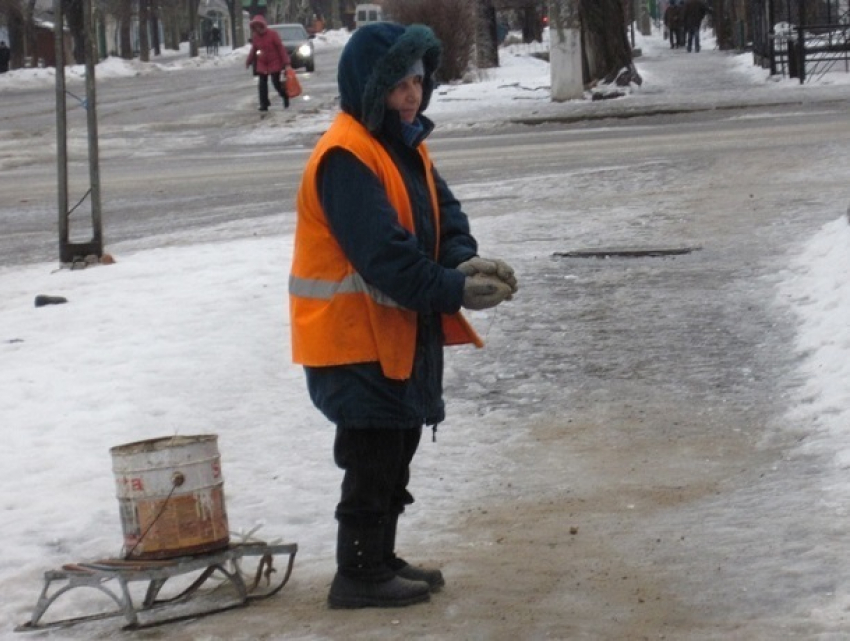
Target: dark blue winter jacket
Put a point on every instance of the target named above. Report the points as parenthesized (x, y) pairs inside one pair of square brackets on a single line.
[(387, 256)]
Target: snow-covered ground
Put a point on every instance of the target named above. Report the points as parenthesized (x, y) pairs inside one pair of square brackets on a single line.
[(195, 340)]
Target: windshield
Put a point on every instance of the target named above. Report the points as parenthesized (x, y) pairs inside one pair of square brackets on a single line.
[(294, 32)]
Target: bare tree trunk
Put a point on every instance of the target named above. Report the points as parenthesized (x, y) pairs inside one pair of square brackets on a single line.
[(122, 11), (144, 25), (304, 12), (487, 53), (125, 36), (15, 25), (336, 15), (192, 17), (532, 25), (174, 15), (170, 16), (643, 18), (173, 37), (29, 32), (730, 19), (565, 47), (155, 22), (235, 26), (607, 50), (450, 20), (722, 30), (76, 25), (330, 12)]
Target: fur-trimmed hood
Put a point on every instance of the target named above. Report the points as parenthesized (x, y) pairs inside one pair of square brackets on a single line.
[(375, 59), (258, 21)]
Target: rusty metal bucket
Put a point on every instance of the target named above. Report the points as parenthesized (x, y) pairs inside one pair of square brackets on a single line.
[(171, 496)]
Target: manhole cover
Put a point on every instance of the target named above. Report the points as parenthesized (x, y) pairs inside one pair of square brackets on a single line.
[(626, 252)]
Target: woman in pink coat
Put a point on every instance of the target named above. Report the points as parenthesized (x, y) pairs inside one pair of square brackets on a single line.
[(269, 57)]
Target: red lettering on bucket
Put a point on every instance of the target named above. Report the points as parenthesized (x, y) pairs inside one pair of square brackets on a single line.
[(137, 485), (216, 469)]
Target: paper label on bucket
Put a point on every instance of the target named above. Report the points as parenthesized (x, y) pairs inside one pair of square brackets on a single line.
[(185, 523)]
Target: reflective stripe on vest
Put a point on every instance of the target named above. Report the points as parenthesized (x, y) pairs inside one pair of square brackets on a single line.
[(327, 289)]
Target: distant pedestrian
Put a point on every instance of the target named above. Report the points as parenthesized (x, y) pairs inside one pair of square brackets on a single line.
[(269, 58), (5, 56), (692, 14), (673, 22), (215, 40)]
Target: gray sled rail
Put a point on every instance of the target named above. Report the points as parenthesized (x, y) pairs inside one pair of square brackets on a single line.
[(114, 576)]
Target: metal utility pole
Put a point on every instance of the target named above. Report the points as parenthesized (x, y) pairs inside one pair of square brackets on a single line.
[(68, 251), (61, 130), (565, 50), (237, 32)]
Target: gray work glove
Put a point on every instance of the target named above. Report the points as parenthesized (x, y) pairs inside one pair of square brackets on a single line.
[(482, 291), (490, 267)]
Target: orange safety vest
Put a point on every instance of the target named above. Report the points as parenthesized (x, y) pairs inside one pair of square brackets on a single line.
[(338, 318)]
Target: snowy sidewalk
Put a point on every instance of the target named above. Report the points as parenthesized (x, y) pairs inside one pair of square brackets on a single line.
[(677, 81)]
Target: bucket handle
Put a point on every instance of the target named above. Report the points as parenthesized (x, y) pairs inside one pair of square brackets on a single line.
[(177, 479)]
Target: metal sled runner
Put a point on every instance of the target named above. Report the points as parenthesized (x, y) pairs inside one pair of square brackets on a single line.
[(114, 576)]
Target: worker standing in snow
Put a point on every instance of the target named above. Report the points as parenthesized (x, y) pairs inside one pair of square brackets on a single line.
[(383, 261)]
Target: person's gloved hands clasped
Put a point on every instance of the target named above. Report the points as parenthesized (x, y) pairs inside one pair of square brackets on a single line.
[(490, 267), (482, 291)]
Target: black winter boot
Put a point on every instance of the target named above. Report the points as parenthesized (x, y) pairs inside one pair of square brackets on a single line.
[(396, 593), (432, 576), (363, 580)]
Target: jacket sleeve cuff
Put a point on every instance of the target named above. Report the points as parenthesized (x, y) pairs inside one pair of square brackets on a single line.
[(454, 297)]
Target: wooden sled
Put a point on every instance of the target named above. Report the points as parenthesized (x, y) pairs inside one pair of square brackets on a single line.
[(114, 576)]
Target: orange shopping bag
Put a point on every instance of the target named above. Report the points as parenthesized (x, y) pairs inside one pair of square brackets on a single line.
[(293, 87)]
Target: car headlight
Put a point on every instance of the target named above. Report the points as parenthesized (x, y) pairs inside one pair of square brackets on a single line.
[(304, 51)]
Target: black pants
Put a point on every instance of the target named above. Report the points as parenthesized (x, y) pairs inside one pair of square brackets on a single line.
[(263, 84), (377, 470)]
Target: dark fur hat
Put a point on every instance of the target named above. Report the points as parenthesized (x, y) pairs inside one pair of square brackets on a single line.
[(375, 59)]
